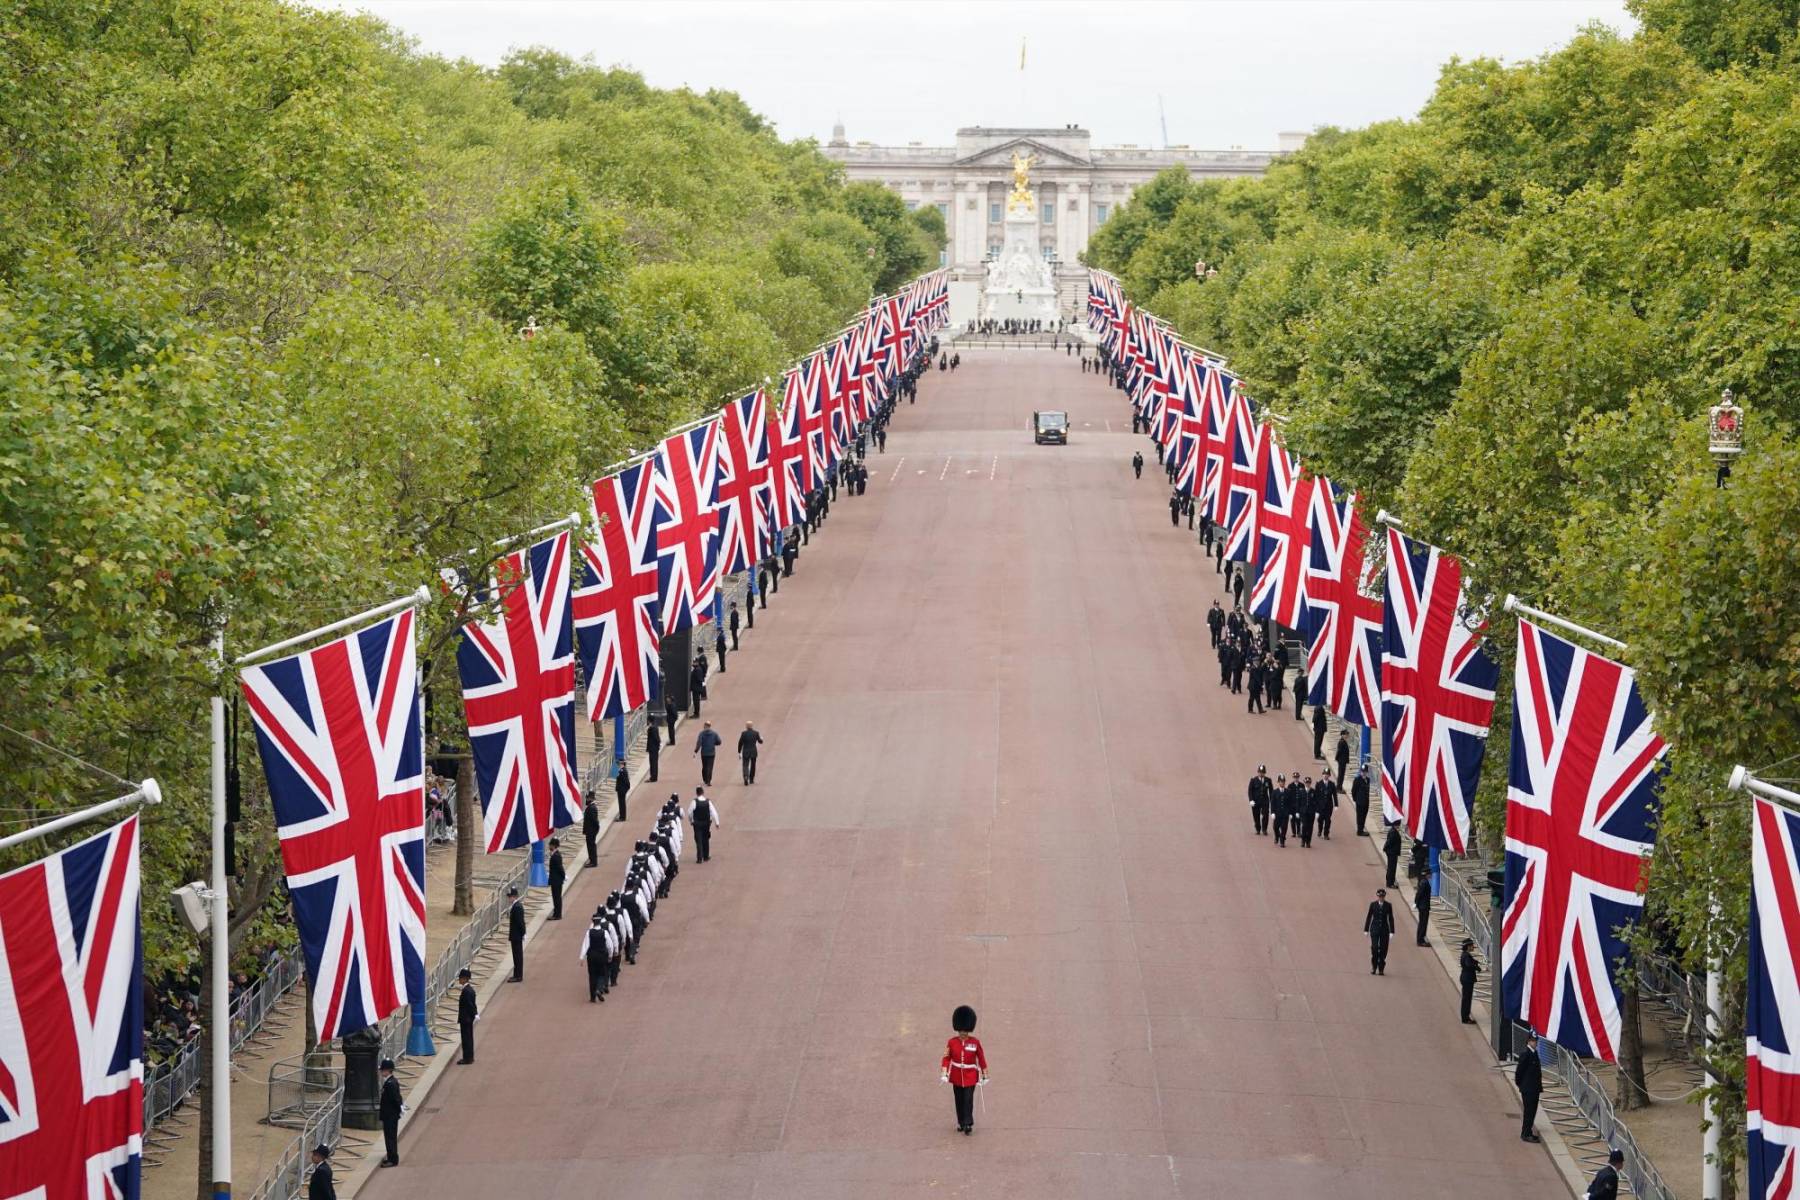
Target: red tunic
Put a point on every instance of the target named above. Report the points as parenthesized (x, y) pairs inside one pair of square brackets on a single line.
[(964, 1060)]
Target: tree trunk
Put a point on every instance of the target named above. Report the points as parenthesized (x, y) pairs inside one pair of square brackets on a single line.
[(466, 816), (1631, 1090)]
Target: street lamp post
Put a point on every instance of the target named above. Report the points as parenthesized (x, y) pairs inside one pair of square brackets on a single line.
[(1725, 434)]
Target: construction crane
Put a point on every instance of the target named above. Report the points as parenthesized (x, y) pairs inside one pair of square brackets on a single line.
[(1163, 116)]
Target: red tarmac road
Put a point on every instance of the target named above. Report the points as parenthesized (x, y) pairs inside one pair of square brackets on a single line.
[(998, 772)]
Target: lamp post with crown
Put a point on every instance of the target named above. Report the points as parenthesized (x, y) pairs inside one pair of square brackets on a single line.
[(1725, 433)]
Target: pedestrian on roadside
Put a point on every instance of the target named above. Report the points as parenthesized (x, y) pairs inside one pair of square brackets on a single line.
[(719, 647), (1343, 755), (1319, 732), (1359, 796), (590, 828), (670, 713), (748, 742), (557, 875), (1606, 1180), (732, 621), (1467, 970), (707, 747), (1528, 1077), (319, 1187), (1422, 904), (390, 1110), (621, 786), (653, 748), (697, 683), (466, 1015), (1299, 695), (1391, 849), (515, 932), (1379, 925)]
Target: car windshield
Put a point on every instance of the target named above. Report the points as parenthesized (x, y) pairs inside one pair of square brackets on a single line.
[(1051, 420)]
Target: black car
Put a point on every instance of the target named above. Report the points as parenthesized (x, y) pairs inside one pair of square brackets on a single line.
[(1050, 427)]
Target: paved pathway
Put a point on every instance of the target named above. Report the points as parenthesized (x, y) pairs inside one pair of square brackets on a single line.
[(998, 772)]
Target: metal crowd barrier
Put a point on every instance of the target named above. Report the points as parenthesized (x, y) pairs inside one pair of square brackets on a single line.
[(170, 1083), (288, 1179), (298, 1089), (1471, 910), (1591, 1099)]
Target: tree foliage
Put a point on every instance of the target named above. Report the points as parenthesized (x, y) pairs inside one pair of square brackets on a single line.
[(1505, 319), (262, 271)]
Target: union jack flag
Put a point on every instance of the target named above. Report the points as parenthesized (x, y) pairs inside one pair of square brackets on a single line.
[(338, 730), (1241, 485), (743, 481), (687, 526), (518, 681), (824, 415), (1283, 536), (1216, 390), (788, 472), (1437, 696), (1580, 804), (1772, 1009), (1342, 620), (618, 631), (812, 379), (1190, 424), (72, 1023)]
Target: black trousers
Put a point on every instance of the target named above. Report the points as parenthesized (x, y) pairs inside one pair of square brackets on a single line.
[(1281, 826), (518, 949), (1299, 709), (621, 796), (1362, 814), (1424, 919), (749, 761), (1468, 998), (1325, 824), (1318, 743), (556, 899), (965, 1105), (702, 842), (1528, 1117), (593, 844), (654, 755), (1393, 860), (390, 1136), (1259, 818), (734, 635), (706, 768), (1378, 948), (596, 978), (467, 1029)]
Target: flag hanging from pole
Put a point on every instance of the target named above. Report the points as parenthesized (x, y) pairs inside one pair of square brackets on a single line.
[(72, 1022), (1581, 804), (1772, 1007), (518, 681), (342, 750), (618, 631)]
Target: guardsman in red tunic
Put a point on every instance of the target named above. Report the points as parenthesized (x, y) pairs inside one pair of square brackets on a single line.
[(965, 1066)]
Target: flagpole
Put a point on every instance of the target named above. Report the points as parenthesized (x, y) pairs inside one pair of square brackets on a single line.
[(1514, 604), (219, 1018), (147, 792), (421, 596), (418, 1036)]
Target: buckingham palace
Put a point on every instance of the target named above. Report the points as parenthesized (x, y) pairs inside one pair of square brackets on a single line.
[(1078, 186)]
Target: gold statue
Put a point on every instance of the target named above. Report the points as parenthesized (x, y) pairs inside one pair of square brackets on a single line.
[(1021, 197)]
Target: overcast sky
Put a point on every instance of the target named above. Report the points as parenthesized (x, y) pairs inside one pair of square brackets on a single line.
[(1227, 73)]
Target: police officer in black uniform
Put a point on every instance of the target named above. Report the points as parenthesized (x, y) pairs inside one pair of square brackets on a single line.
[(557, 875), (390, 1110), (515, 932), (466, 1015)]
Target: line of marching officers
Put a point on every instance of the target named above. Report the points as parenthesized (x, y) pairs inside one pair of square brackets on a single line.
[(1299, 804), (617, 926)]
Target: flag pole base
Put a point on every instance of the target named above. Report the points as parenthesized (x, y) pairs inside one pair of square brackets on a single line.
[(418, 1038), (540, 873)]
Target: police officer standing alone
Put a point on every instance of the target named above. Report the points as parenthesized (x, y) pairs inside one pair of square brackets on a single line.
[(1422, 902), (390, 1111), (1468, 969), (515, 932), (1391, 850), (1359, 796), (621, 785), (732, 622), (653, 747), (319, 1187), (590, 829), (466, 1015), (557, 875), (748, 741), (1528, 1076)]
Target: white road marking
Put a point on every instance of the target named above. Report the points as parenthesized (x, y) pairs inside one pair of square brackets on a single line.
[(897, 467), (992, 467), (946, 469)]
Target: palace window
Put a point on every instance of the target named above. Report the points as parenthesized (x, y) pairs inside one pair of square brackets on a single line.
[(1049, 212), (944, 211), (994, 213), (1100, 213), (993, 249)]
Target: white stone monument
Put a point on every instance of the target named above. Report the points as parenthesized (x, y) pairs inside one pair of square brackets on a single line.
[(1020, 285)]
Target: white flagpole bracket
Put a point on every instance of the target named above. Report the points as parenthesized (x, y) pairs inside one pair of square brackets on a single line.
[(1388, 518), (147, 792), (413, 600), (1743, 781), (1514, 604)]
